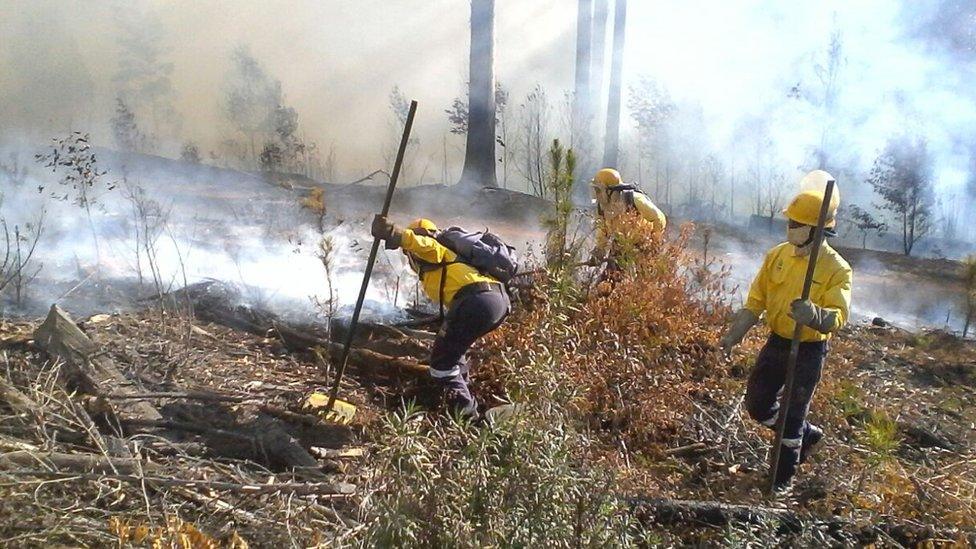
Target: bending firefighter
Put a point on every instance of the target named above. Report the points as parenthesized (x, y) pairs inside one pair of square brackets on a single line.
[(475, 303), (775, 292), (613, 198)]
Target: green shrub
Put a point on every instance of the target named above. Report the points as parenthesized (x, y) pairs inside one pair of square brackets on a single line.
[(522, 483), (880, 435)]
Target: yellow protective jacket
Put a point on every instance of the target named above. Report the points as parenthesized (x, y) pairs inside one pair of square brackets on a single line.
[(650, 216), (780, 281), (429, 250)]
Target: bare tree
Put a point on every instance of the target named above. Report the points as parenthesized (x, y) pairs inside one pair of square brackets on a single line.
[(502, 126), (148, 223), (950, 212), (611, 149), (400, 108), (479, 155), (714, 173), (143, 76), (80, 177), (901, 176), (828, 73), (125, 129), (534, 137), (16, 267), (866, 223), (651, 109), (251, 98)]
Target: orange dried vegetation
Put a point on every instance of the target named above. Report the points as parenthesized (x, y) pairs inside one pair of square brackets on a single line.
[(635, 347)]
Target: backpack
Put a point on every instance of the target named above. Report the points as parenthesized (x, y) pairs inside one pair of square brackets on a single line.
[(485, 251), (627, 192)]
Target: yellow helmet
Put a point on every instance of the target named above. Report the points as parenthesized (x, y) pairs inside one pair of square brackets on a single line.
[(607, 177), (423, 223), (805, 207)]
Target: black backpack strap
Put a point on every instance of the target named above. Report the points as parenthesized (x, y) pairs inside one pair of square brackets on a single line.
[(440, 296), (629, 198), (428, 267)]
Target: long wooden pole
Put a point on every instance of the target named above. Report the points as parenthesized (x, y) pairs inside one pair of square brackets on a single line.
[(372, 257), (787, 397)]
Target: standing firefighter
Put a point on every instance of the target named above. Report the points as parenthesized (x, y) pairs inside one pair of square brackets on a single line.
[(613, 198), (454, 268), (774, 292)]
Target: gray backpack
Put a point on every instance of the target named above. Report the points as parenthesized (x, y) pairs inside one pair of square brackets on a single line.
[(485, 251)]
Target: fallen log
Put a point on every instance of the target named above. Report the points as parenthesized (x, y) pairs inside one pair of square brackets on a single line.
[(372, 361), (267, 442), (694, 449), (297, 488), (93, 372), (922, 436), (17, 400), (388, 340), (74, 463), (690, 513), (712, 513), (217, 302)]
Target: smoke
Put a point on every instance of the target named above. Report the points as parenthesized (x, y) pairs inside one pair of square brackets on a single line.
[(770, 61), (337, 63), (730, 68)]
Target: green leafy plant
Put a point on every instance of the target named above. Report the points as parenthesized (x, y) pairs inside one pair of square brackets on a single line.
[(880, 435)]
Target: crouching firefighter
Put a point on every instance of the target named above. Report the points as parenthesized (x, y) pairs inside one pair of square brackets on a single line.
[(464, 273), (613, 197), (774, 292)]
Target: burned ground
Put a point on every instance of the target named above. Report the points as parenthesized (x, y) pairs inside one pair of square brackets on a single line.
[(628, 404)]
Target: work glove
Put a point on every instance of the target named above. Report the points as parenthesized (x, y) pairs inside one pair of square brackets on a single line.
[(385, 230), (742, 321), (805, 313)]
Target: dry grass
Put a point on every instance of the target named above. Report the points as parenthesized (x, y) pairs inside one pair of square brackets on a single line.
[(639, 355)]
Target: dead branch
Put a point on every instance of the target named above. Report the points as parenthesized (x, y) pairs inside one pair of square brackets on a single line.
[(297, 488), (188, 395), (76, 463), (18, 401), (369, 177)]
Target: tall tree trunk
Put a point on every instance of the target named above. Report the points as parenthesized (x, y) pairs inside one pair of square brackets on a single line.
[(581, 98), (597, 68), (582, 116), (479, 155), (612, 139)]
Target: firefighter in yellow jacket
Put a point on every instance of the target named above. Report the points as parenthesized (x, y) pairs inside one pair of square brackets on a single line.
[(476, 304), (613, 198), (775, 292)]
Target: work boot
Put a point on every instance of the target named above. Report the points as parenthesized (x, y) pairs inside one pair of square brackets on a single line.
[(811, 437), (788, 460), (461, 403)]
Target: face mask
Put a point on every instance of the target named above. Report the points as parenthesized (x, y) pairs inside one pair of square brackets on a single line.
[(799, 237)]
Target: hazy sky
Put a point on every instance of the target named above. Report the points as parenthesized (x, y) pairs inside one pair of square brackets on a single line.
[(339, 59)]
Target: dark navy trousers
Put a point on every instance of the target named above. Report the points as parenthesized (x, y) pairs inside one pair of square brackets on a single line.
[(472, 315), (765, 386)]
